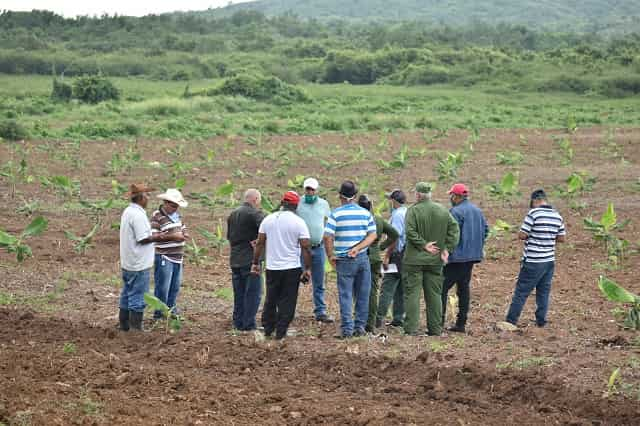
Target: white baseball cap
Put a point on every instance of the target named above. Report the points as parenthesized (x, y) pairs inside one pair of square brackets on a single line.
[(310, 183)]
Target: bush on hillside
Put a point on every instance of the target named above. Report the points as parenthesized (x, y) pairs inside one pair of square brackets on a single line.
[(266, 89), (565, 83), (621, 87), (61, 91), (94, 88), (11, 130)]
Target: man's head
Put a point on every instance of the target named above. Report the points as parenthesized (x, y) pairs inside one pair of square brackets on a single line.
[(290, 200), (365, 202), (458, 193), (348, 191), (253, 197), (172, 199), (538, 198), (310, 186), (397, 197), (423, 191), (139, 194)]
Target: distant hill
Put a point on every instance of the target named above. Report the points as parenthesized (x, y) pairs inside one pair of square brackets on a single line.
[(575, 15)]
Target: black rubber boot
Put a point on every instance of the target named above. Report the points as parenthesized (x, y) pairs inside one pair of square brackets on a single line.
[(124, 319), (135, 320)]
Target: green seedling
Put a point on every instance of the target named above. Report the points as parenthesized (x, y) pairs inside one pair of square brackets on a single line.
[(615, 293), (215, 239), (173, 323), (17, 245), (98, 208), (267, 205), (604, 231), (506, 188), (612, 388), (194, 253), (512, 158), (69, 348), (81, 244), (566, 151), (399, 161), (15, 173), (63, 185), (447, 167), (28, 208), (296, 182), (499, 228)]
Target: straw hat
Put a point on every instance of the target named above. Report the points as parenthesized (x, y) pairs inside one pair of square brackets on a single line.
[(174, 196)]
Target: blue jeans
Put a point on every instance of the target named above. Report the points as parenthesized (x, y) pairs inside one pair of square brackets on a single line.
[(354, 282), (167, 277), (532, 275), (317, 279), (247, 292), (136, 284)]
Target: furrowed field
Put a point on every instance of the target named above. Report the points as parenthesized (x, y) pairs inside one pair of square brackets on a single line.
[(63, 362)]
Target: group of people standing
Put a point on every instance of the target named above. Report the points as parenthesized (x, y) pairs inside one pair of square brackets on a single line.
[(423, 251)]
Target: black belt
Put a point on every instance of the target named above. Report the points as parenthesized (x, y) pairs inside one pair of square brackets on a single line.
[(315, 246)]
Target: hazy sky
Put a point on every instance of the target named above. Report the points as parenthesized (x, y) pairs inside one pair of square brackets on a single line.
[(71, 8)]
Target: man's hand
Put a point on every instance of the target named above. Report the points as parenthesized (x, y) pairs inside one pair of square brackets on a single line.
[(445, 256), (253, 243), (305, 278), (353, 252), (432, 248), (332, 261), (255, 269)]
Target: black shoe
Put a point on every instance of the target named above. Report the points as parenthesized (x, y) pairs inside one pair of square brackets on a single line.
[(124, 319), (343, 336), (456, 328), (378, 323), (325, 319), (135, 320), (396, 324), (359, 333), (369, 329)]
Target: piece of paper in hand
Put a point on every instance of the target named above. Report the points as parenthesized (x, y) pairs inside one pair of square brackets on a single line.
[(391, 269)]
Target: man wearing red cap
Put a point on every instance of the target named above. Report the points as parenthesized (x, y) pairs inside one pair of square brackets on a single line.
[(473, 232), (285, 235)]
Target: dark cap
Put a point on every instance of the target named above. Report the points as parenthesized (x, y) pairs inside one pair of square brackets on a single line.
[(348, 189), (538, 194), (397, 195), (364, 202)]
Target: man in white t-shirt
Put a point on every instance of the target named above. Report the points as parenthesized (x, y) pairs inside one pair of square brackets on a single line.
[(285, 236)]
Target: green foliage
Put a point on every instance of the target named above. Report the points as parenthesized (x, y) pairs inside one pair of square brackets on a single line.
[(123, 163), (399, 161), (195, 253), (215, 240), (506, 188), (604, 231), (266, 89), (81, 244), (566, 151), (499, 228), (61, 91), (173, 323), (16, 244), (12, 130), (69, 348), (614, 292), (93, 89), (512, 158), (447, 167)]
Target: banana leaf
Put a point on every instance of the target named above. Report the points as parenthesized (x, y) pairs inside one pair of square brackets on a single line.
[(36, 227), (615, 293)]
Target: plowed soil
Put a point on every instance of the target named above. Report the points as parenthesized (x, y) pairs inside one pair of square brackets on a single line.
[(63, 362)]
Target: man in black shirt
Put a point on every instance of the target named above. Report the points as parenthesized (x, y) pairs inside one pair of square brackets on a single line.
[(242, 232)]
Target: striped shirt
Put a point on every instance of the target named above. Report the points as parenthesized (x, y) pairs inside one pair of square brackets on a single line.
[(173, 251), (542, 225), (348, 224)]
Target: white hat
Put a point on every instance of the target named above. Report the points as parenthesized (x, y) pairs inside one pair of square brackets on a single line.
[(174, 196), (310, 183)]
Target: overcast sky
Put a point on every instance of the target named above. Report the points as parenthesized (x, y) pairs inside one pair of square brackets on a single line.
[(71, 8)]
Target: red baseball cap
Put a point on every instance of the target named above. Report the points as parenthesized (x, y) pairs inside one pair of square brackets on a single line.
[(291, 197), (459, 189)]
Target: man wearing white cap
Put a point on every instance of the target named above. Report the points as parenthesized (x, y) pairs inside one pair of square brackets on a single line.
[(314, 211), (170, 252)]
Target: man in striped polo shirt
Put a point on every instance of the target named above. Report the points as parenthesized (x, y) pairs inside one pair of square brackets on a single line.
[(169, 254), (350, 229), (542, 228)]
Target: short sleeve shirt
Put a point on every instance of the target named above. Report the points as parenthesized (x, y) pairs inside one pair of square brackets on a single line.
[(314, 216), (135, 227), (348, 224), (283, 230)]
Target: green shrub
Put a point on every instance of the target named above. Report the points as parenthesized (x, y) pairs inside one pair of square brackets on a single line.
[(268, 89), (565, 83), (11, 130), (620, 87), (418, 75), (61, 91), (94, 88)]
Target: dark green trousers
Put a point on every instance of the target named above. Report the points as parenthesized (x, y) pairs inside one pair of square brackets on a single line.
[(373, 295), (392, 290), (428, 281)]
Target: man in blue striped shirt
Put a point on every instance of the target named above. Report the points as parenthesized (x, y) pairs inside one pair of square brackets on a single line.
[(542, 228), (350, 229)]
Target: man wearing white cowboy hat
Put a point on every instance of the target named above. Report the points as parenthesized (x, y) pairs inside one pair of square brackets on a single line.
[(169, 253)]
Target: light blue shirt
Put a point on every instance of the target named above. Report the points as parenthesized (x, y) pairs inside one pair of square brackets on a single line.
[(349, 224), (397, 221), (314, 215)]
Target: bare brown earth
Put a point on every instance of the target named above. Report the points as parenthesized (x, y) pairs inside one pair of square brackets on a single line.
[(63, 362)]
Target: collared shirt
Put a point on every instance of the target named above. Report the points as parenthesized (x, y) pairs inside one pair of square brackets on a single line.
[(135, 227), (542, 226), (314, 215), (242, 228), (397, 221), (284, 230), (473, 233), (348, 224), (162, 222)]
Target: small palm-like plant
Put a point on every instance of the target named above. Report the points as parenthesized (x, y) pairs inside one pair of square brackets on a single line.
[(614, 292), (17, 244)]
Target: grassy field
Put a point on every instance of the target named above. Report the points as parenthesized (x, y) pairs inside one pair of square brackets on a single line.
[(154, 109)]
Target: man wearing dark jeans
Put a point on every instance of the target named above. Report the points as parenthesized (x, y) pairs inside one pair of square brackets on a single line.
[(285, 236), (473, 233), (242, 232), (542, 228)]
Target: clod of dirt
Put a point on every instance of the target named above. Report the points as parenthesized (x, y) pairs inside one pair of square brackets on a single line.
[(423, 357), (616, 341), (506, 326)]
